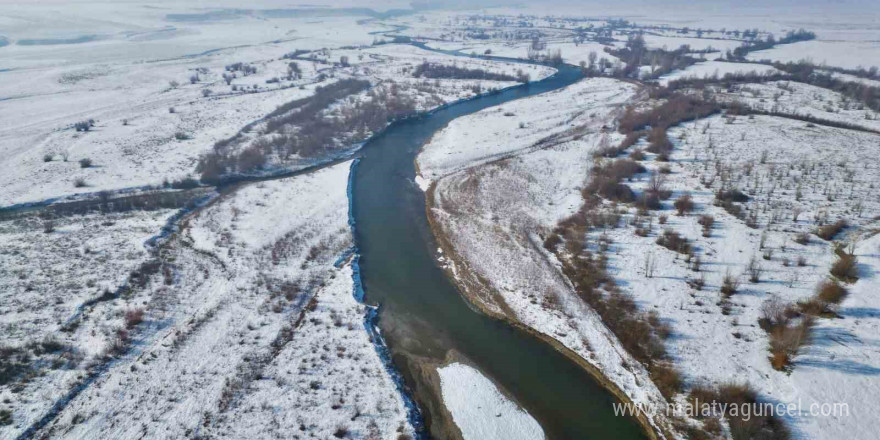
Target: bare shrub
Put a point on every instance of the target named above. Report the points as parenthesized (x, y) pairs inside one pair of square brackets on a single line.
[(684, 204), (667, 379), (802, 238), (674, 241), (831, 292), (719, 400), (754, 270), (85, 163), (828, 232), (341, 432), (706, 221), (786, 340), (134, 317), (729, 284), (79, 182), (846, 268)]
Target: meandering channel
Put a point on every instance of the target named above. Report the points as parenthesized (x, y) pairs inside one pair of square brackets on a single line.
[(423, 315)]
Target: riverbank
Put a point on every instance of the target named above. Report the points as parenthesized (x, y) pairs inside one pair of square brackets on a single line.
[(486, 209), (467, 283)]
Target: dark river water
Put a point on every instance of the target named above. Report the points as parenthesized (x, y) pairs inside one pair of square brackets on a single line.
[(424, 315)]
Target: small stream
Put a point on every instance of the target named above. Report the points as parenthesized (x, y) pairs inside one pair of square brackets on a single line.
[(422, 313)]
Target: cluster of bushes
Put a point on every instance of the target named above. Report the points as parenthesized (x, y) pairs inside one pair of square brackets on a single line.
[(245, 69), (84, 125), (14, 362), (827, 232), (303, 127), (606, 180), (788, 330), (728, 199), (674, 241), (613, 151), (684, 204), (801, 71), (845, 268), (436, 70), (148, 201), (640, 333), (636, 53), (828, 295), (728, 400), (677, 109), (791, 37)]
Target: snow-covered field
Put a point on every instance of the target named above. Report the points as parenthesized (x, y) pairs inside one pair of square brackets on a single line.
[(158, 104), (709, 69), (804, 99), (498, 184), (480, 410), (846, 54), (46, 281), (254, 332), (718, 340)]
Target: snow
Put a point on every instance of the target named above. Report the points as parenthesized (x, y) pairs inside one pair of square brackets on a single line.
[(45, 278), (717, 69), (255, 332), (710, 346), (804, 99), (480, 410), (846, 54), (124, 84)]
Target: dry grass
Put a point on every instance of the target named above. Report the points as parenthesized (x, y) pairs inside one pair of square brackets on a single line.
[(828, 232), (722, 398), (846, 268)]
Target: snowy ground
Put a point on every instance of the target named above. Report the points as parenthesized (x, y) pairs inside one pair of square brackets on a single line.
[(251, 332), (716, 69), (151, 122), (498, 185), (712, 345), (497, 189), (480, 410), (803, 99), (846, 54), (45, 279)]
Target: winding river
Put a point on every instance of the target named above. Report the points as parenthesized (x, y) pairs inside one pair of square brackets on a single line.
[(423, 315)]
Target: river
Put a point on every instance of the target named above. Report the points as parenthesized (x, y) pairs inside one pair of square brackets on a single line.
[(423, 315)]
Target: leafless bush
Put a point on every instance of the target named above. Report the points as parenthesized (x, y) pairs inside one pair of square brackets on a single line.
[(673, 241), (729, 284), (802, 238), (134, 317), (85, 163), (828, 232), (754, 270), (846, 268), (718, 402), (684, 204), (706, 221)]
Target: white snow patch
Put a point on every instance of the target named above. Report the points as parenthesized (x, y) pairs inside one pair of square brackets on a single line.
[(480, 410)]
